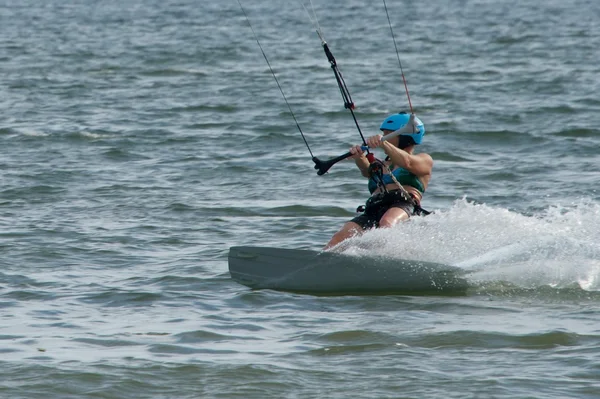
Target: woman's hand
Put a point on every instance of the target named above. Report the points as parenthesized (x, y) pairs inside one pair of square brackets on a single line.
[(374, 141), (356, 151)]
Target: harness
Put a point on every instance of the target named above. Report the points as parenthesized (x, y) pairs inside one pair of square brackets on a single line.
[(376, 172)]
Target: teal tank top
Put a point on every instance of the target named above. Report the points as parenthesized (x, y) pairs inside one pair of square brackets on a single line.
[(403, 176)]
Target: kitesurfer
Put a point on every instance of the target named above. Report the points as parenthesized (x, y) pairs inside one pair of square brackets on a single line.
[(396, 184)]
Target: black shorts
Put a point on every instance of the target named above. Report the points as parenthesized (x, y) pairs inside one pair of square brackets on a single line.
[(379, 204)]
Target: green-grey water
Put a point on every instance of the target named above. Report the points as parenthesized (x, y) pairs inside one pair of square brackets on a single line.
[(142, 139)]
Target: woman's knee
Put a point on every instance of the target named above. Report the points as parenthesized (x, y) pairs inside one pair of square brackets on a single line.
[(386, 223), (390, 219), (348, 230)]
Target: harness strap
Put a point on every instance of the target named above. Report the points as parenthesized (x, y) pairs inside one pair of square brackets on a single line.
[(417, 210), (405, 193), (376, 173)]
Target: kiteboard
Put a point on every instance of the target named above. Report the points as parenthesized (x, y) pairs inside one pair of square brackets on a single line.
[(319, 272)]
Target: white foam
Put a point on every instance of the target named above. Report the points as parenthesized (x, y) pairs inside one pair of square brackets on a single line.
[(94, 136), (558, 247), (30, 132)]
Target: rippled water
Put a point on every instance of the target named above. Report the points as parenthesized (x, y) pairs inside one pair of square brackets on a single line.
[(141, 139)]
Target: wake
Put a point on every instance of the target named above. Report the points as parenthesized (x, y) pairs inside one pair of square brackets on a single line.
[(558, 247)]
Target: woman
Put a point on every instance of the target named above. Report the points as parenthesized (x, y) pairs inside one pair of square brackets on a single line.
[(397, 195)]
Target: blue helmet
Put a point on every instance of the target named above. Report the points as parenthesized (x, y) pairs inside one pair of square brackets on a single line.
[(398, 121)]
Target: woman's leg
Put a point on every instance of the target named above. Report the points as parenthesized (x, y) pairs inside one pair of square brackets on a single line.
[(350, 229), (393, 216)]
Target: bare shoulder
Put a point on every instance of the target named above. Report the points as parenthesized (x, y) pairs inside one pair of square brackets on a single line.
[(425, 157)]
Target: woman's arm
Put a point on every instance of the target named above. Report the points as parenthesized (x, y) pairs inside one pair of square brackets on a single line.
[(361, 161), (417, 164)]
